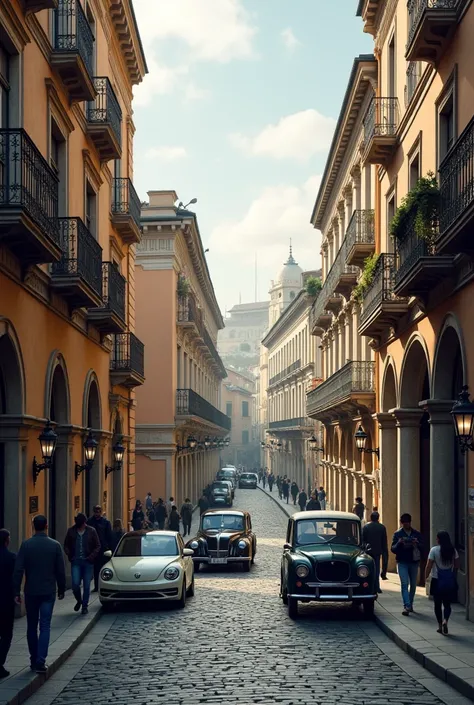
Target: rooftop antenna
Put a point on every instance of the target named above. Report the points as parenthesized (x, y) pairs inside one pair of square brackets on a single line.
[(240, 297)]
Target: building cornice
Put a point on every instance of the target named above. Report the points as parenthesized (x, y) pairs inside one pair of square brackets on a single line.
[(126, 29), (292, 313)]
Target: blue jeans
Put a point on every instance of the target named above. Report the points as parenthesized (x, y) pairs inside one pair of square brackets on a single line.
[(39, 608), (408, 573), (81, 570)]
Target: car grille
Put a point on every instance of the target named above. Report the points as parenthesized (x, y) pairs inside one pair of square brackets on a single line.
[(333, 571), (137, 594), (211, 543)]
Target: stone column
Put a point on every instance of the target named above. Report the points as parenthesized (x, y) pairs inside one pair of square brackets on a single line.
[(408, 462), (388, 505), (441, 464)]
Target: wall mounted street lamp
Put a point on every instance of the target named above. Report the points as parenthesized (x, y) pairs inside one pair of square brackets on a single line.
[(118, 449), (463, 418), (227, 442), (361, 439), (47, 439), (314, 444), (192, 443), (90, 448), (207, 443), (191, 202)]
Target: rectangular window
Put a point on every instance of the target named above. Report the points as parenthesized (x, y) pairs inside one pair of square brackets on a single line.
[(446, 126), (228, 408), (58, 162), (390, 216), (414, 174), (245, 438), (245, 408), (391, 69), (91, 209)]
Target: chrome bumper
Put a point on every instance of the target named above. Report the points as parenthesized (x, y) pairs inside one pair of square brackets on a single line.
[(230, 559), (333, 598)]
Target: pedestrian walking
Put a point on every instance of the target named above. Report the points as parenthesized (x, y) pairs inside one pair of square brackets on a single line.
[(271, 481), (40, 559), (442, 565), (285, 490), (203, 504), (302, 499), (148, 502), (322, 497), (7, 599), (359, 508), (407, 546), (117, 533), (169, 506), (160, 514), (187, 516), (104, 532), (137, 516), (174, 519), (81, 546), (313, 503), (264, 479), (374, 535), (150, 515), (294, 491)]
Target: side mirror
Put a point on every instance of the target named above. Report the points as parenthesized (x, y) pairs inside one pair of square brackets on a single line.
[(108, 554), (367, 547), (287, 547), (188, 552)]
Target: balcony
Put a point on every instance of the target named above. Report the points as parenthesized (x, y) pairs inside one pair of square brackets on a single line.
[(78, 274), (341, 279), (456, 184), (431, 24), (189, 316), (73, 50), (127, 362), (420, 268), (360, 237), (299, 424), (347, 392), (294, 367), (381, 307), (110, 317), (380, 130), (319, 318), (104, 120), (190, 403), (38, 5), (28, 200), (126, 210)]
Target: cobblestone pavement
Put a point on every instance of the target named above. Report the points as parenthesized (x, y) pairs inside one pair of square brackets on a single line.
[(234, 643)]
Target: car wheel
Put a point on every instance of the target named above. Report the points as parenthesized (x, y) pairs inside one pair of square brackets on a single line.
[(246, 566), (283, 593), (181, 603), (191, 588), (107, 606), (369, 606), (292, 608)]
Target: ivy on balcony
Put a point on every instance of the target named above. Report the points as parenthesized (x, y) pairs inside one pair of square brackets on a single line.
[(366, 277), (419, 209)]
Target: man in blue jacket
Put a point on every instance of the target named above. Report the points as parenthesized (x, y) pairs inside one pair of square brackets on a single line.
[(407, 546)]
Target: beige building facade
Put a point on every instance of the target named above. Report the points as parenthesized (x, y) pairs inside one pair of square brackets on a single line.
[(238, 403)]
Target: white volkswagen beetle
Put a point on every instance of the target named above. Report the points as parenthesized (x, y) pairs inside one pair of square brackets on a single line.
[(148, 566)]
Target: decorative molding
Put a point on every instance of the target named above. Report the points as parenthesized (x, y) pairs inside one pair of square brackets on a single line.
[(39, 35), (13, 26), (9, 263), (37, 280), (91, 171), (60, 111)]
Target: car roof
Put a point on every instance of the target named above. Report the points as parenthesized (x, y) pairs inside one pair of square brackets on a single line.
[(230, 512), (154, 532), (318, 514)]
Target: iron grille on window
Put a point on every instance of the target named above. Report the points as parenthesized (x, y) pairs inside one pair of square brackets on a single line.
[(72, 32), (113, 289), (105, 108), (190, 403), (381, 119), (27, 181), (82, 254), (456, 179), (128, 354), (125, 199)]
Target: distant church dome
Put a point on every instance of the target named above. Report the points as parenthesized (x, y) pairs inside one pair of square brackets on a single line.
[(291, 274)]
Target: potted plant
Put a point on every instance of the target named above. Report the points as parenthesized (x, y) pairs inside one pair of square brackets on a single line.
[(183, 286)]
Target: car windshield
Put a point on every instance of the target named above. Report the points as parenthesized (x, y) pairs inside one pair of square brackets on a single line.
[(222, 485), (221, 522), (247, 476), (147, 545), (313, 531), (225, 474)]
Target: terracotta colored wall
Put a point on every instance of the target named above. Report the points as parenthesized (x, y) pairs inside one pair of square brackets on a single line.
[(151, 478)]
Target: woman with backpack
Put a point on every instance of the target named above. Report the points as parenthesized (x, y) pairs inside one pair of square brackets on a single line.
[(443, 562)]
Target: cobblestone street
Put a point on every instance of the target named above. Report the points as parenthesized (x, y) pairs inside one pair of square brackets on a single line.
[(234, 643)]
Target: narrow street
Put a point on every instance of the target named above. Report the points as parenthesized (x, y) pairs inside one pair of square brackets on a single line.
[(234, 643)]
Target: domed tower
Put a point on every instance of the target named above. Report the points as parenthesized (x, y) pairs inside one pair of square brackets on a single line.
[(285, 288)]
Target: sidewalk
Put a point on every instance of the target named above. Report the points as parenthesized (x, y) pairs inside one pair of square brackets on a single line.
[(449, 658), (68, 629)]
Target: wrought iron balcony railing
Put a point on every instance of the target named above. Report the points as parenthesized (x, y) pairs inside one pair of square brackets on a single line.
[(27, 182), (188, 312), (381, 288), (72, 32), (417, 8), (381, 119), (105, 110), (82, 254), (301, 422), (128, 355), (113, 289), (360, 230), (190, 403), (125, 200), (287, 371), (353, 378), (413, 78), (410, 249), (456, 177)]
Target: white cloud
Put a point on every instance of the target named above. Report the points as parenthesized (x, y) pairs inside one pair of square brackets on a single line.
[(160, 80), (289, 39), (166, 154), (193, 93), (298, 136)]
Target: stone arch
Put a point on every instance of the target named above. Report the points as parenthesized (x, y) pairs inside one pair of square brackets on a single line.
[(57, 402), (92, 419), (450, 350), (415, 368), (389, 395), (91, 403), (12, 372)]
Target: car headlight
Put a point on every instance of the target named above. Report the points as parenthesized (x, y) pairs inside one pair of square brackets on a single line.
[(302, 571), (363, 571), (194, 545), (242, 545), (171, 573), (107, 574)]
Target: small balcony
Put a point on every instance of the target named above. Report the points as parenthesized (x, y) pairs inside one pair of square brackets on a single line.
[(38, 5), (73, 50), (104, 120), (189, 316), (192, 405), (456, 185), (78, 274), (294, 367), (380, 130), (127, 361), (431, 24), (110, 317), (347, 392), (126, 210), (382, 308), (28, 200), (360, 237), (319, 318), (420, 268), (298, 424)]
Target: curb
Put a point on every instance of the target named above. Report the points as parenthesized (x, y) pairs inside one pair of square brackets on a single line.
[(268, 494), (35, 684)]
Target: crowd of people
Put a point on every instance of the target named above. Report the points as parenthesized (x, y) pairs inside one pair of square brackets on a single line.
[(162, 515), (288, 488)]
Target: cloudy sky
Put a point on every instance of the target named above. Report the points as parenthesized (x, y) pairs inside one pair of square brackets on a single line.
[(238, 110)]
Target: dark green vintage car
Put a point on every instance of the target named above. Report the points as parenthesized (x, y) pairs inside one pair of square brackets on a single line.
[(324, 561)]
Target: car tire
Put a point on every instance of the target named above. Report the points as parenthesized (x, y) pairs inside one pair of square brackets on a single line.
[(107, 606), (283, 593), (292, 608), (181, 603), (191, 588), (369, 607), (246, 566)]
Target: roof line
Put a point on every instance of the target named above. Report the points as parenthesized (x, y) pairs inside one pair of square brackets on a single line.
[(134, 18)]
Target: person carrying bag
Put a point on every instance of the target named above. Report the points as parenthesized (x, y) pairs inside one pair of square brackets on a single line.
[(442, 565)]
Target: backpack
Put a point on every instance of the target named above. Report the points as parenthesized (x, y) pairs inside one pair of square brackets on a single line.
[(446, 580)]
